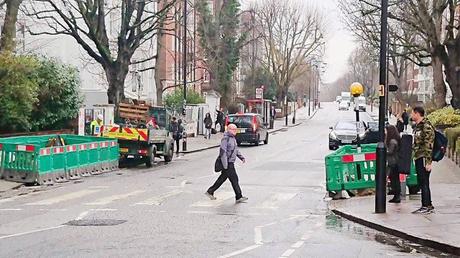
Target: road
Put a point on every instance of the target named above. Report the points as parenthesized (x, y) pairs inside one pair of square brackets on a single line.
[(163, 212)]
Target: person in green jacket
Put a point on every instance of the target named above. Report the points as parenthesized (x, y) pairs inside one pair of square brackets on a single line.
[(422, 151)]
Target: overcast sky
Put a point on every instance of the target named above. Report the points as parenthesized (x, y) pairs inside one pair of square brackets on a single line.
[(339, 43)]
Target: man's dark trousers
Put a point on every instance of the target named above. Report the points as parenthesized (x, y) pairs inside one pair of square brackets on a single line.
[(229, 173), (423, 177)]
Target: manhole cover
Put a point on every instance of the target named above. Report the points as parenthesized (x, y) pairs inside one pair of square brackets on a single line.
[(95, 222)]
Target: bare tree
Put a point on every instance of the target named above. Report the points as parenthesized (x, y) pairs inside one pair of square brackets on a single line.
[(430, 37), (292, 34), (8, 37), (137, 22)]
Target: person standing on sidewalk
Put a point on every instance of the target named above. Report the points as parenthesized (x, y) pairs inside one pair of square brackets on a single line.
[(207, 125), (228, 153), (405, 118), (220, 120), (422, 151), (175, 129), (392, 142)]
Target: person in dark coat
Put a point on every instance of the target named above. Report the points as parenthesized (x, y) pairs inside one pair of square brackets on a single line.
[(220, 120), (399, 123), (208, 126), (393, 142), (405, 117), (176, 129)]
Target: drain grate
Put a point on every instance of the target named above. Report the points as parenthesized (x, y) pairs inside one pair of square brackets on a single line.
[(95, 222)]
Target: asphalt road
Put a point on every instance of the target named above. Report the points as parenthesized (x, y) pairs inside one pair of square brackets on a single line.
[(163, 212)]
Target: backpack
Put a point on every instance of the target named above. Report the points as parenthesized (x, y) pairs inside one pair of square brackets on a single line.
[(439, 146)]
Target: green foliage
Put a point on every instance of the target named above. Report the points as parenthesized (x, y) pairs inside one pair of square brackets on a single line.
[(59, 97), (36, 94), (255, 80), (175, 100), (445, 117), (18, 92), (221, 41)]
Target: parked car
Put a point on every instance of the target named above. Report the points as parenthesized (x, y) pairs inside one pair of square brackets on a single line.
[(372, 132), (344, 105), (251, 129), (344, 133)]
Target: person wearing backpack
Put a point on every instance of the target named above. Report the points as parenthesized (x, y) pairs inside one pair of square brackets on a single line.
[(393, 143), (424, 137)]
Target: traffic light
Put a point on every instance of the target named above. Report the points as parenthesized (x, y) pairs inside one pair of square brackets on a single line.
[(392, 88)]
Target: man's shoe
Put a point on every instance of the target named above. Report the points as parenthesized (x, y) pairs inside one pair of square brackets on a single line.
[(210, 196), (242, 199), (395, 200), (422, 210)]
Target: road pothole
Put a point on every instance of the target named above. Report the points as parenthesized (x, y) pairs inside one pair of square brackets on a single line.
[(95, 222)]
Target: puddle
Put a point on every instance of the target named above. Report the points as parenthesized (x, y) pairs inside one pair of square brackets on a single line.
[(339, 224)]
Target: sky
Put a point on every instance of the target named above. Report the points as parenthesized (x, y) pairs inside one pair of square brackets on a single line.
[(339, 41)]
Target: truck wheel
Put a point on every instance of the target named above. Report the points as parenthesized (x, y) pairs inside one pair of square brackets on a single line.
[(169, 157), (150, 159), (413, 189)]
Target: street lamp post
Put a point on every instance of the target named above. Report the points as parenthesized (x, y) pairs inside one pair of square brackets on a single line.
[(184, 70), (380, 180)]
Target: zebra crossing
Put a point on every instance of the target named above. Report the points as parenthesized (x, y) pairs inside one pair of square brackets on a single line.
[(95, 197)]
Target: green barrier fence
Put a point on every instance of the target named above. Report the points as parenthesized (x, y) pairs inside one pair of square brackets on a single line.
[(28, 159), (346, 169)]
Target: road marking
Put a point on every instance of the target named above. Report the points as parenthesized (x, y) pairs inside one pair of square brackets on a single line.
[(65, 197), (298, 244), (52, 209), (82, 215), (258, 236), (103, 209), (10, 199), (275, 200), (221, 198), (247, 249), (110, 199), (159, 200), (32, 231), (10, 209), (288, 253)]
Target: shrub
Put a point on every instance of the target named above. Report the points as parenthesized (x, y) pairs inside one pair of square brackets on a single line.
[(18, 92), (447, 117)]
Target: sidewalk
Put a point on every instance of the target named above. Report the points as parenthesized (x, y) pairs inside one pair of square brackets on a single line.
[(6, 186), (199, 143), (439, 230)]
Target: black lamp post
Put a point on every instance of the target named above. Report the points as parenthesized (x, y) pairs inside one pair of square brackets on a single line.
[(380, 179)]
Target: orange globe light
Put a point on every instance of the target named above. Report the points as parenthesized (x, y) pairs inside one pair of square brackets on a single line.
[(356, 89)]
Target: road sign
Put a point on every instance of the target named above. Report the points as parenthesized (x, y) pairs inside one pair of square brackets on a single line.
[(259, 93), (382, 90)]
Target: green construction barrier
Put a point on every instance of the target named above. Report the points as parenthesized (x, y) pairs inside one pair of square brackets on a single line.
[(346, 169), (29, 159)]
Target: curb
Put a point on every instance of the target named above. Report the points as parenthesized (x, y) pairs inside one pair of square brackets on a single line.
[(447, 248), (269, 132)]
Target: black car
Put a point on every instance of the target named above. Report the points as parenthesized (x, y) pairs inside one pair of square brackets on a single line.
[(372, 132), (344, 133), (251, 129)]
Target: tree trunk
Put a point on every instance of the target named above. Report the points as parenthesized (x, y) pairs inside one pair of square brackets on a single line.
[(160, 72), (438, 79), (8, 37), (116, 78), (452, 72)]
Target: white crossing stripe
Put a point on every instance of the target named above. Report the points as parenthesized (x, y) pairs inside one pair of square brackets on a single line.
[(65, 197), (221, 198), (288, 253), (160, 199), (275, 200), (110, 199)]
